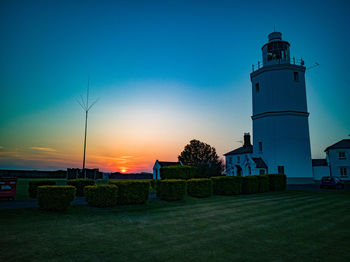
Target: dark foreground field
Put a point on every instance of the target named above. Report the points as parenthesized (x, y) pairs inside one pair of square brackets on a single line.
[(288, 226)]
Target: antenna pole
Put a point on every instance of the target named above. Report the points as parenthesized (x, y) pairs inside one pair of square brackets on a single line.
[(86, 107), (86, 116)]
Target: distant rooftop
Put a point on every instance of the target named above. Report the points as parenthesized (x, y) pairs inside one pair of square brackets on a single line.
[(345, 143), (240, 150), (319, 162), (167, 163)]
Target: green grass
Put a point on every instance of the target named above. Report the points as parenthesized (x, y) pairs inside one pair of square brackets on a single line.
[(286, 226)]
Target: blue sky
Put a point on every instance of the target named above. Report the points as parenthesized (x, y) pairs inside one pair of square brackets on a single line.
[(168, 71)]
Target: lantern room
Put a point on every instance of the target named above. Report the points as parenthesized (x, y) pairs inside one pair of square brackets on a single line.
[(276, 51)]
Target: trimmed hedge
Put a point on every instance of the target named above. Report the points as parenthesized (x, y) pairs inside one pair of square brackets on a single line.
[(171, 189), (200, 187), (34, 184), (263, 181), (132, 191), (55, 198), (80, 184), (277, 182), (227, 185), (206, 171), (250, 185), (178, 172), (101, 195)]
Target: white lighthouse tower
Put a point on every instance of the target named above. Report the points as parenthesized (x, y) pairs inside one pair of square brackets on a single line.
[(280, 115)]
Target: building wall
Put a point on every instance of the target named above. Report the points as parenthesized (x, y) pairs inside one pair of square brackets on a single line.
[(245, 161), (278, 91), (285, 142), (156, 170), (320, 171), (335, 163), (280, 120)]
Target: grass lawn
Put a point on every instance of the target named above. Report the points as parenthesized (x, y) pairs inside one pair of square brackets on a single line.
[(286, 226)]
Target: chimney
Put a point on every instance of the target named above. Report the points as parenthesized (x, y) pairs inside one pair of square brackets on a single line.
[(247, 140)]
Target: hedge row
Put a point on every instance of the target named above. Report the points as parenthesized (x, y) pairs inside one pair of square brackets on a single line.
[(200, 187), (101, 195), (79, 184), (188, 172), (277, 182), (55, 198), (132, 191), (171, 189), (34, 184), (226, 185), (178, 172)]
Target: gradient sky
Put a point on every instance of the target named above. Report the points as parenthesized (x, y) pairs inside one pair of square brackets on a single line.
[(165, 72)]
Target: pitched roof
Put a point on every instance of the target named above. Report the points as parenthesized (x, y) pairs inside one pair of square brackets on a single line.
[(260, 163), (240, 150), (165, 163), (345, 143), (319, 162)]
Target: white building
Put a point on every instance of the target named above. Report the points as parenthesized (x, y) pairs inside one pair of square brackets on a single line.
[(160, 164), (280, 117), (338, 158)]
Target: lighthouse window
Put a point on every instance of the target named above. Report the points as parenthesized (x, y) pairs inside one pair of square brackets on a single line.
[(260, 146), (257, 87), (296, 76)]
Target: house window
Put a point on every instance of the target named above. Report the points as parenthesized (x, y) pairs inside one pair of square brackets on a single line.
[(280, 169), (262, 171), (341, 155), (343, 172), (260, 146), (238, 159), (257, 87), (296, 76), (230, 160)]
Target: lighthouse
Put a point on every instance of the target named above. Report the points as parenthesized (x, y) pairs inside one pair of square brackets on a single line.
[(280, 115)]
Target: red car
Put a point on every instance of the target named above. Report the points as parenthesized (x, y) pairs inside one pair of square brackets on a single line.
[(8, 187), (332, 182)]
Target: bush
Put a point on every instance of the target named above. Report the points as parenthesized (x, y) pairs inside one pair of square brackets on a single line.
[(206, 171), (171, 189), (55, 198), (200, 187), (34, 184), (178, 172), (80, 184), (132, 191), (263, 181), (250, 185), (277, 182), (227, 185), (101, 195)]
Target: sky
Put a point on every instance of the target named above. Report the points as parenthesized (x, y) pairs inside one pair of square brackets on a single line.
[(164, 72)]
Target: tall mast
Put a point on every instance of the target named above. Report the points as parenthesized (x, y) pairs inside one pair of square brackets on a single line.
[(86, 107)]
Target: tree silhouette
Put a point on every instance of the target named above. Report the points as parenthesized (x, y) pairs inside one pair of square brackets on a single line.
[(202, 156)]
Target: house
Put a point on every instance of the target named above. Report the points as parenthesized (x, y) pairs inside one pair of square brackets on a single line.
[(242, 161), (160, 164), (338, 158)]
